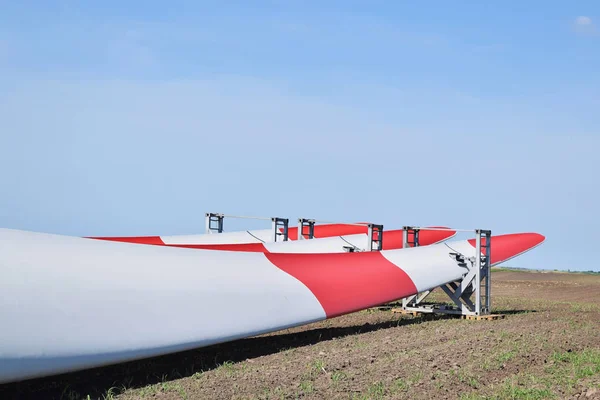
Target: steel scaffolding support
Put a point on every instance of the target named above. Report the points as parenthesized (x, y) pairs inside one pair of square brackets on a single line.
[(214, 222), (407, 239), (375, 237), (280, 223), (475, 284), (374, 240), (305, 224)]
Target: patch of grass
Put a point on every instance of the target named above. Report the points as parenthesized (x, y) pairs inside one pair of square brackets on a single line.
[(416, 378), (376, 390), (472, 396), (228, 368), (468, 379), (181, 391), (306, 387), (583, 307), (400, 385), (315, 368), (486, 365), (503, 335), (582, 364), (338, 376), (227, 365), (506, 356), (318, 365), (277, 393), (165, 386), (525, 387), (569, 368), (198, 375), (510, 390), (150, 390), (509, 269), (110, 394)]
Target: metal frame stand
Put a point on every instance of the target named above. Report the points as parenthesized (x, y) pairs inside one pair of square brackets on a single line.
[(407, 239), (304, 223), (280, 223), (214, 222), (375, 235), (476, 283)]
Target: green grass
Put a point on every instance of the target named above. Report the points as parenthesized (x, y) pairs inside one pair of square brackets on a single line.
[(580, 364), (306, 387), (469, 380), (513, 391), (338, 376), (567, 370), (563, 271), (400, 385), (506, 356), (377, 390)]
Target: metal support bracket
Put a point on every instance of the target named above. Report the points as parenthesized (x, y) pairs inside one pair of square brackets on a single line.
[(410, 235), (280, 223), (483, 280), (306, 227), (375, 237), (214, 222)]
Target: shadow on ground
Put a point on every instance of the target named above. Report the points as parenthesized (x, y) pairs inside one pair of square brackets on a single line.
[(98, 381), (398, 305), (514, 312)]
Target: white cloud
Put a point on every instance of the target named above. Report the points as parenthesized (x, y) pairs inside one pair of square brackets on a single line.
[(584, 25), (583, 21)]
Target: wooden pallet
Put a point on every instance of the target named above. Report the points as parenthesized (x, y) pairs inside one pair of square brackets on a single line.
[(488, 317), (424, 315), (407, 312)]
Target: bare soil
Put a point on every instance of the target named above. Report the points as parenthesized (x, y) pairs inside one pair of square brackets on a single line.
[(548, 346)]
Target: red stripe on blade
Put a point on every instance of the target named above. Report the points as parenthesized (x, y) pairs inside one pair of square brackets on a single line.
[(347, 282), (329, 230), (249, 247), (133, 239), (393, 239), (505, 247)]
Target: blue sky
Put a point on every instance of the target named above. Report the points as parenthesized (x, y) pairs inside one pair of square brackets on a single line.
[(136, 118)]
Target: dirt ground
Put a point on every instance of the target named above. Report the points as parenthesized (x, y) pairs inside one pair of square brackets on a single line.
[(548, 346)]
